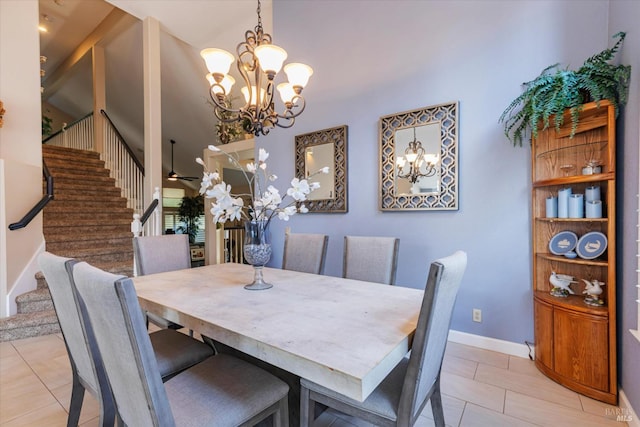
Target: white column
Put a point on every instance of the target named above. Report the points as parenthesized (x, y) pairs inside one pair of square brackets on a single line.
[(152, 110), (99, 97)]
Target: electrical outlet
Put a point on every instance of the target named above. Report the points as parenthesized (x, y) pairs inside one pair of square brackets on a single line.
[(477, 315)]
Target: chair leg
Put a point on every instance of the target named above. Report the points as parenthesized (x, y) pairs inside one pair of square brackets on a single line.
[(306, 407), (77, 396), (281, 417), (436, 405)]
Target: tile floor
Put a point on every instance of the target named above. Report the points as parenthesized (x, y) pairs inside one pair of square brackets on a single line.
[(480, 388)]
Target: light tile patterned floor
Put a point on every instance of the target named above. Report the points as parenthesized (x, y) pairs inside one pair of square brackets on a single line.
[(481, 389)]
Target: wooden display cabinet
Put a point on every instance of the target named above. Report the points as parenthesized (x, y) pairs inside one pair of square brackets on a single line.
[(576, 342)]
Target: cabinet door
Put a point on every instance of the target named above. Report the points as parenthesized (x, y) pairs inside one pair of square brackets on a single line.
[(581, 348), (543, 314)]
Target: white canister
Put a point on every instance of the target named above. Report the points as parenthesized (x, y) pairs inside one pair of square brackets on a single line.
[(594, 209), (576, 206), (563, 202), (552, 207), (592, 193)]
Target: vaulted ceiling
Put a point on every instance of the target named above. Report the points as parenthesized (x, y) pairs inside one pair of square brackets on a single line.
[(187, 27)]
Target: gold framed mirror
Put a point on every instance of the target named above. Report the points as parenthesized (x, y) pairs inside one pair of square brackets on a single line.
[(419, 159), (324, 148)]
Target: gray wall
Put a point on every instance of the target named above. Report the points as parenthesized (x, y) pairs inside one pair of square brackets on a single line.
[(377, 58)]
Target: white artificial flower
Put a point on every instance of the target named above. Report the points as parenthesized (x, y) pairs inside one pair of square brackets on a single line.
[(314, 186), (208, 179), (287, 212), (273, 177), (262, 155), (199, 161), (213, 148), (217, 212), (235, 211), (325, 169), (251, 167), (303, 209), (299, 189)]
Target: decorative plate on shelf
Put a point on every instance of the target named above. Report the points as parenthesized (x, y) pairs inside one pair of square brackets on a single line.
[(591, 245), (563, 242)]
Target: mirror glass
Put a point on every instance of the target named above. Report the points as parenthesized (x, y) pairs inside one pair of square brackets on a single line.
[(315, 158), (316, 150), (417, 159)]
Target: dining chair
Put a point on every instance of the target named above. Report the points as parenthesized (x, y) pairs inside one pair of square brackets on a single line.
[(372, 259), (305, 252), (174, 351), (157, 254), (403, 394), (221, 391)]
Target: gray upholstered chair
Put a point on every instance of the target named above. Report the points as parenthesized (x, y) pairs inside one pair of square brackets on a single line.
[(305, 252), (402, 395), (373, 259), (221, 391), (174, 351), (157, 254)]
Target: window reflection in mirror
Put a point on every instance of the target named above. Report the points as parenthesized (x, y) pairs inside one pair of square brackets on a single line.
[(417, 159), (315, 158)]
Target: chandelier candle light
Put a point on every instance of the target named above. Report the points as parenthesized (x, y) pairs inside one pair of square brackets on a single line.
[(259, 61), (416, 157), (266, 203)]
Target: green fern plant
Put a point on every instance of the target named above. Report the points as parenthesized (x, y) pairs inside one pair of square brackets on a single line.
[(556, 90)]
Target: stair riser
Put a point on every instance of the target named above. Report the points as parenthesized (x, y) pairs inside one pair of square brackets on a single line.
[(57, 204), (78, 230), (85, 221), (86, 244), (88, 211), (35, 306), (83, 180), (78, 170), (70, 152), (29, 331), (61, 160)]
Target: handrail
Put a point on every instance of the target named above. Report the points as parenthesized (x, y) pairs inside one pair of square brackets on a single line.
[(40, 205), (44, 141), (124, 143), (147, 213)]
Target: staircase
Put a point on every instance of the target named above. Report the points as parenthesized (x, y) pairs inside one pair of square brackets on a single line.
[(87, 220)]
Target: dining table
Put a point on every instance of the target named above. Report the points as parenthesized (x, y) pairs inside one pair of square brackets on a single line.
[(343, 334)]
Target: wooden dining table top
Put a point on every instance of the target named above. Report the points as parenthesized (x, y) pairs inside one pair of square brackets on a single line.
[(343, 334)]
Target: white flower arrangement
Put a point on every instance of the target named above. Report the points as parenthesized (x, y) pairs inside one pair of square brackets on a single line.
[(266, 202)]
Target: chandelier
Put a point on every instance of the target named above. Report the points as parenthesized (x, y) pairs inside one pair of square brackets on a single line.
[(420, 164), (258, 61)]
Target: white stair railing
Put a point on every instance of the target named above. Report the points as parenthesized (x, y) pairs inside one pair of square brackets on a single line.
[(78, 135), (125, 168)]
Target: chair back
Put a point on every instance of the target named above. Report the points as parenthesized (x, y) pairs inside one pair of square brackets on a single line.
[(124, 343), (431, 334), (305, 252), (373, 259), (157, 254), (78, 336)]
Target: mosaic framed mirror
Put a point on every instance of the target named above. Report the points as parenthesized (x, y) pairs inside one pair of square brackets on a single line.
[(419, 159), (316, 150)]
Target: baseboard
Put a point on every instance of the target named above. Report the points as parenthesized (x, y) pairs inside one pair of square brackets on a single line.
[(626, 411), (493, 344)]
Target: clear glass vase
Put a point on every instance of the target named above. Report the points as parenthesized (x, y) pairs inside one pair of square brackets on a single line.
[(257, 251)]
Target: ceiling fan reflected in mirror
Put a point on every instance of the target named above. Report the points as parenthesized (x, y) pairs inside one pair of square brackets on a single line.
[(173, 176)]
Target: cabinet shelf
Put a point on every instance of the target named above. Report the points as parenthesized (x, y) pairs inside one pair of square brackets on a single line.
[(577, 261), (567, 180), (572, 302), (577, 220)]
